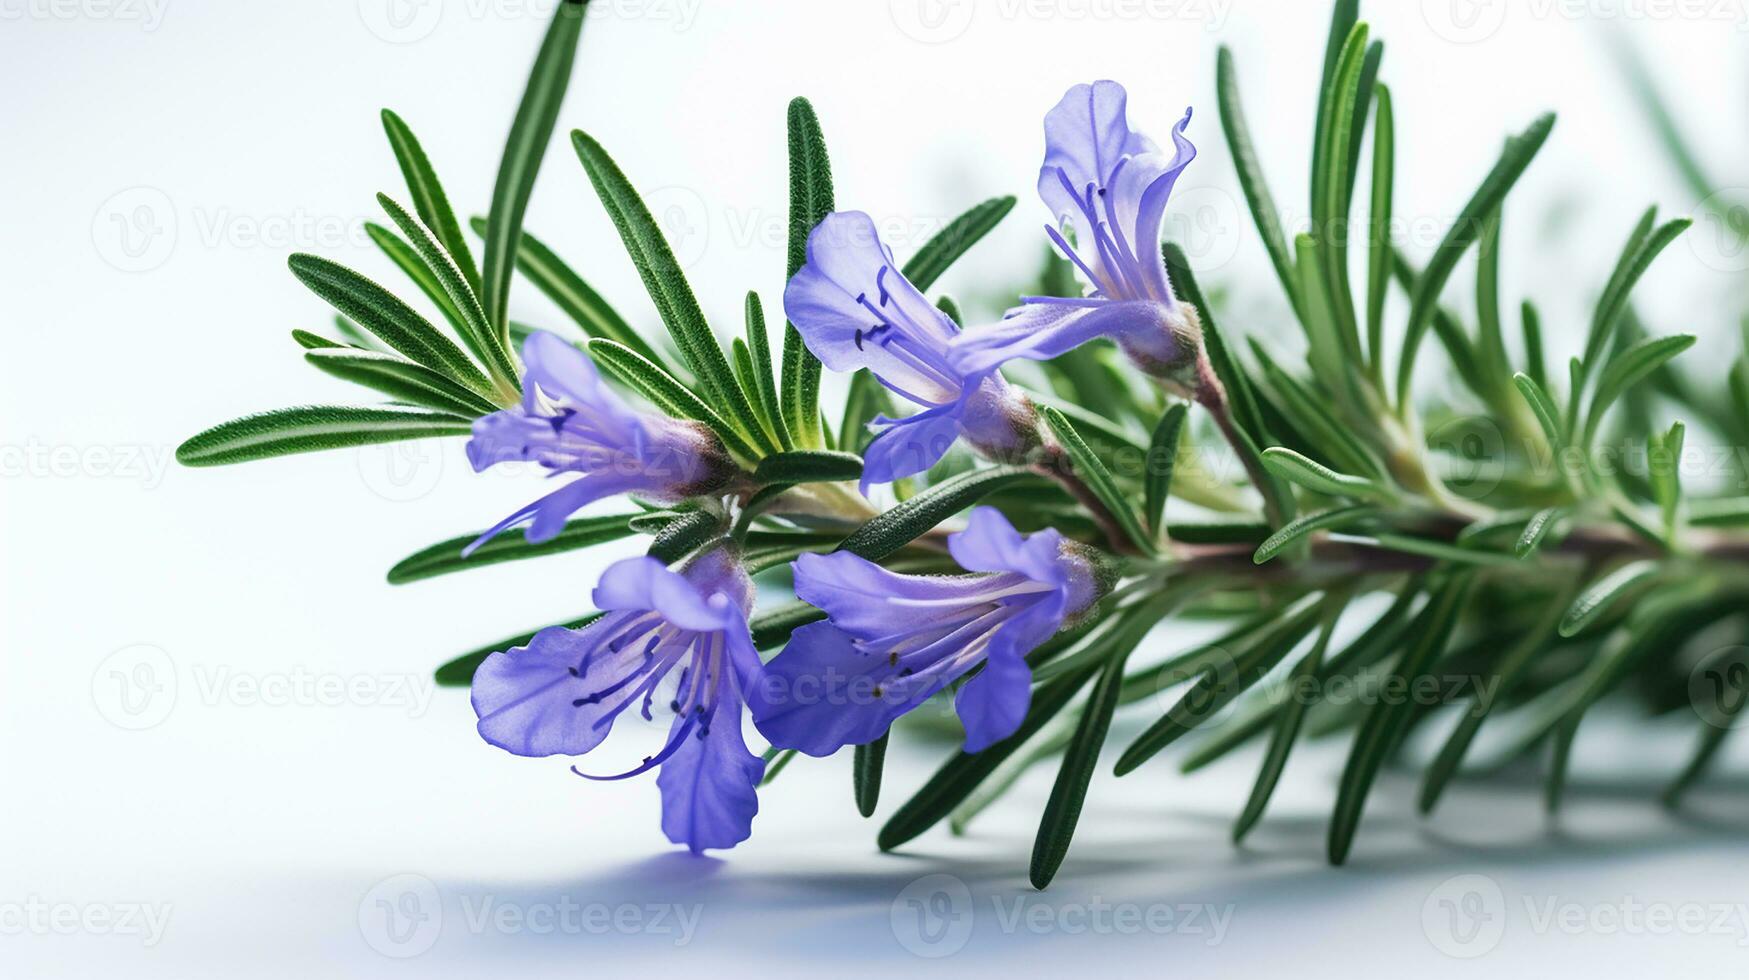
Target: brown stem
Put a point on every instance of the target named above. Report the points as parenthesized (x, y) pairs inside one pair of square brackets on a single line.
[(1055, 464), (1212, 395)]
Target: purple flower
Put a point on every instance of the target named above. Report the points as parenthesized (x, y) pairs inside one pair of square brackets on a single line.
[(571, 422), (891, 640), (1109, 186), (560, 694), (855, 309)]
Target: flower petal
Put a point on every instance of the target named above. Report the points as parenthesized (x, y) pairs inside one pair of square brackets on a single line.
[(993, 704), (825, 300), (819, 694), (524, 697), (990, 543), (870, 602), (909, 446), (644, 583), (709, 785), (1043, 330)]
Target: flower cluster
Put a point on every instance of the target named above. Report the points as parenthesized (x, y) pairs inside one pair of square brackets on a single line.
[(890, 641)]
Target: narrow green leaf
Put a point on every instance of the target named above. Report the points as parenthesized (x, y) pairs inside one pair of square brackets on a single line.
[(1287, 727), (893, 529), (1319, 478), (809, 466), (668, 394), (1251, 180), (962, 773), (1097, 477), (408, 261), (1308, 523), (810, 200), (1519, 152), (1643, 246), (1535, 530), (1221, 680), (1533, 344), (686, 535), (1332, 181), (476, 333), (1603, 594), (865, 773), (592, 314), (400, 379), (667, 286), (1626, 370), (759, 349), (1510, 668), (1491, 346), (1382, 726), (445, 557), (1162, 454), (777, 761), (310, 428), (1665, 454), (1063, 810), (1729, 512), (530, 133), (1543, 407), (953, 241), (429, 199), (1378, 261), (311, 341), (394, 322)]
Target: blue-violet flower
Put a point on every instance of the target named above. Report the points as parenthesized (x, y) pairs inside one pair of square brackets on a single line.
[(570, 421), (560, 694), (1108, 185), (855, 309), (891, 640)]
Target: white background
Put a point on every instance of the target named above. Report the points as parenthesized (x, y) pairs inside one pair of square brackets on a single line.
[(224, 136)]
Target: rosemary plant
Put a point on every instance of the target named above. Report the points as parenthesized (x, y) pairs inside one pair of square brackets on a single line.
[(1477, 540)]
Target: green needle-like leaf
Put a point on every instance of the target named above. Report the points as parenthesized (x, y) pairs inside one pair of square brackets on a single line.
[(667, 287), (400, 379), (865, 774), (1318, 478), (476, 333), (1251, 180), (1063, 809), (445, 557), (947, 245), (308, 429), (810, 200), (1306, 524), (429, 199), (1383, 724), (1519, 152), (394, 322), (809, 466), (893, 529), (1097, 477), (1602, 595), (661, 388), (1287, 727), (1626, 370), (1162, 455), (530, 133)]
